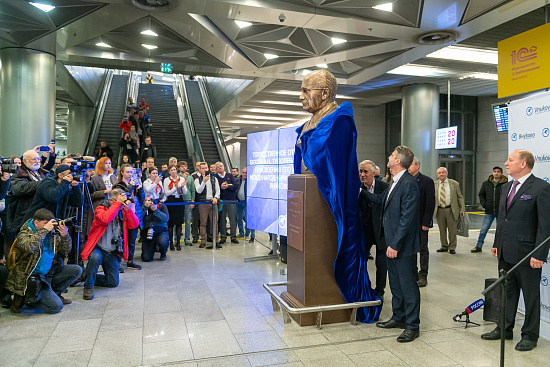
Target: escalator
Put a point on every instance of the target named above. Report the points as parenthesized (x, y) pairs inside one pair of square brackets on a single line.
[(115, 108), (167, 133), (202, 123)]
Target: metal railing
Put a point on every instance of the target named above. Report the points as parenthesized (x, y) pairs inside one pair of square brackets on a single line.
[(287, 310), (191, 138), (100, 110), (216, 131)]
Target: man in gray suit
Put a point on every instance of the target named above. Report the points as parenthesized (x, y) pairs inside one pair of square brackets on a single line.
[(523, 224), (449, 205)]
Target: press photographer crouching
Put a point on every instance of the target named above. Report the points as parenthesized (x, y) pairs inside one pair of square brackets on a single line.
[(106, 241), (155, 229), (36, 276)]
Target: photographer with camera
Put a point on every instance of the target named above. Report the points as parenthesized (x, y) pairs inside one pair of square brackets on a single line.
[(129, 185), (36, 278), (55, 194), (129, 147), (107, 241), (155, 229)]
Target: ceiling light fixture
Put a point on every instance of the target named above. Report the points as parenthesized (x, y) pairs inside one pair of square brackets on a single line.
[(324, 66), (284, 112), (258, 117), (256, 122), (150, 47), (486, 76), (297, 93), (283, 103), (466, 54), (149, 33), (417, 70), (337, 41), (384, 7), (44, 7), (103, 44), (242, 24), (271, 56)]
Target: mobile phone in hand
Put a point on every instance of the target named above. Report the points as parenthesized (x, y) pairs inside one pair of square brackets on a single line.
[(44, 148)]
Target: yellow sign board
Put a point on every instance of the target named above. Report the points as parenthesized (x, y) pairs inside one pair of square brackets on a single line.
[(524, 62)]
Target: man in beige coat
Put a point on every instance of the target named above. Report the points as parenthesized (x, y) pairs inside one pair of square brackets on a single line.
[(449, 204)]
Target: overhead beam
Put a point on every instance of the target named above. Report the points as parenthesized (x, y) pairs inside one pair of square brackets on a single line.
[(243, 96), (71, 86)]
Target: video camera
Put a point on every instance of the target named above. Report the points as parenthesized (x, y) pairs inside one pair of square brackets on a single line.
[(79, 167), (8, 166)]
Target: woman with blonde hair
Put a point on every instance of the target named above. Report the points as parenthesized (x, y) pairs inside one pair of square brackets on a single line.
[(103, 181)]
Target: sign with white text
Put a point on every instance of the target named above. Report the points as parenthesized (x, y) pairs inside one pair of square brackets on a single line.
[(446, 138)]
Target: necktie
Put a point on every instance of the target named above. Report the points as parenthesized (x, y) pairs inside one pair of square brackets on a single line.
[(512, 194), (442, 195)]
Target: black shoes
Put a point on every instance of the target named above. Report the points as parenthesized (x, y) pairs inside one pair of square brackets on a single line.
[(422, 282), (133, 265), (452, 252), (234, 241), (178, 247), (172, 248), (408, 336), (391, 324), (476, 249), (251, 240), (17, 303), (195, 240), (162, 257), (525, 345), (495, 335), (441, 250), (222, 242)]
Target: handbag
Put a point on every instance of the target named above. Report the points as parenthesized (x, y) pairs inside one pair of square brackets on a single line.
[(463, 225), (33, 294)]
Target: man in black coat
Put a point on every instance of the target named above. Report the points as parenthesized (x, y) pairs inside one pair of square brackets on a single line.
[(523, 224), (105, 151), (426, 212), (371, 219), (400, 228), (489, 198)]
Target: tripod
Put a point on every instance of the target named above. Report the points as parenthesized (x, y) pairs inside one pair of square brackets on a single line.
[(466, 322), (78, 212)]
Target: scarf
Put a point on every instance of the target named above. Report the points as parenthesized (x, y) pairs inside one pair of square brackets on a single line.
[(172, 182)]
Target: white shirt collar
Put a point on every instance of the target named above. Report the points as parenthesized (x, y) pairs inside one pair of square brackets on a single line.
[(398, 176), (522, 179)]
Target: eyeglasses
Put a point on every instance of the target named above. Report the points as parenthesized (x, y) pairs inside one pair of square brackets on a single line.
[(307, 90), (37, 159)]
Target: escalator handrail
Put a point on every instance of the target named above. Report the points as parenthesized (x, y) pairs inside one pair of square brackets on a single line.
[(193, 144), (216, 131), (100, 110)]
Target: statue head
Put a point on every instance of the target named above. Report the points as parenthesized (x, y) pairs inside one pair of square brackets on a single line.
[(318, 90)]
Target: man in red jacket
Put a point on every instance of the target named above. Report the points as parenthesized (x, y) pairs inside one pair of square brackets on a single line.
[(106, 241)]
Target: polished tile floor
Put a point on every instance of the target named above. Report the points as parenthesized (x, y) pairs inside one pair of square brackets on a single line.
[(205, 308)]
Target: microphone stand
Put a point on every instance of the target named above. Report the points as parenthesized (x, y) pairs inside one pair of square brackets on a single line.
[(503, 282), (466, 322)]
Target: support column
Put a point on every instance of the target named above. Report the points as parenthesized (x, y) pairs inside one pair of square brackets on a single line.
[(419, 120), (27, 99), (81, 119)]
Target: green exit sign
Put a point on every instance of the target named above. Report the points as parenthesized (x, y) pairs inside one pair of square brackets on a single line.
[(166, 68)]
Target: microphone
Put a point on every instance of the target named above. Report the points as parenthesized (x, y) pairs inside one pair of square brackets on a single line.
[(471, 308)]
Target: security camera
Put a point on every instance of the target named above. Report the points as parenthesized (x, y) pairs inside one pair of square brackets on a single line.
[(282, 18)]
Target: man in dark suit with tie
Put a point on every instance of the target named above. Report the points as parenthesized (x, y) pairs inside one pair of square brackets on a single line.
[(425, 214), (523, 223), (400, 228), (371, 219)]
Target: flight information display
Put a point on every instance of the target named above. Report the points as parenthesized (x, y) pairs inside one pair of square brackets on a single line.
[(446, 138), (501, 117), (270, 160)]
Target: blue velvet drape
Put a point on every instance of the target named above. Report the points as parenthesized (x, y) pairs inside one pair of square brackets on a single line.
[(329, 151)]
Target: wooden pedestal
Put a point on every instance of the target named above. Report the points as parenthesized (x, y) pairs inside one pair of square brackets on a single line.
[(312, 247)]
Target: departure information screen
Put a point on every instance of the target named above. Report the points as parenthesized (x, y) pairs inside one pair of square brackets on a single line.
[(501, 117), (446, 138)]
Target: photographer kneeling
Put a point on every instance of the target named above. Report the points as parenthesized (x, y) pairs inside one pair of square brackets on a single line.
[(36, 278), (155, 230), (106, 241)]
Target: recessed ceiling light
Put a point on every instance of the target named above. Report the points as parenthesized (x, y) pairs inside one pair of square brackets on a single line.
[(297, 93), (255, 122), (384, 7), (102, 44), (150, 47), (44, 7), (466, 54), (242, 24), (271, 56), (337, 41), (149, 33), (324, 66), (284, 112), (417, 70), (487, 76), (258, 117), (283, 103)]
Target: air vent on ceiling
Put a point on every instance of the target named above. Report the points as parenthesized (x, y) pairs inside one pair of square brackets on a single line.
[(154, 5), (437, 37)]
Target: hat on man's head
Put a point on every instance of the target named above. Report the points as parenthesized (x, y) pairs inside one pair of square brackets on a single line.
[(61, 168)]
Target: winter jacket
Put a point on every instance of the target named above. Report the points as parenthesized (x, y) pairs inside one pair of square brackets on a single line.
[(158, 218), (105, 214), (489, 195), (28, 249), (21, 194), (54, 196)]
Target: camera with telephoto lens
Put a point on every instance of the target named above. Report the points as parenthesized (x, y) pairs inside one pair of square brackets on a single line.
[(8, 166), (71, 221), (119, 243)]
